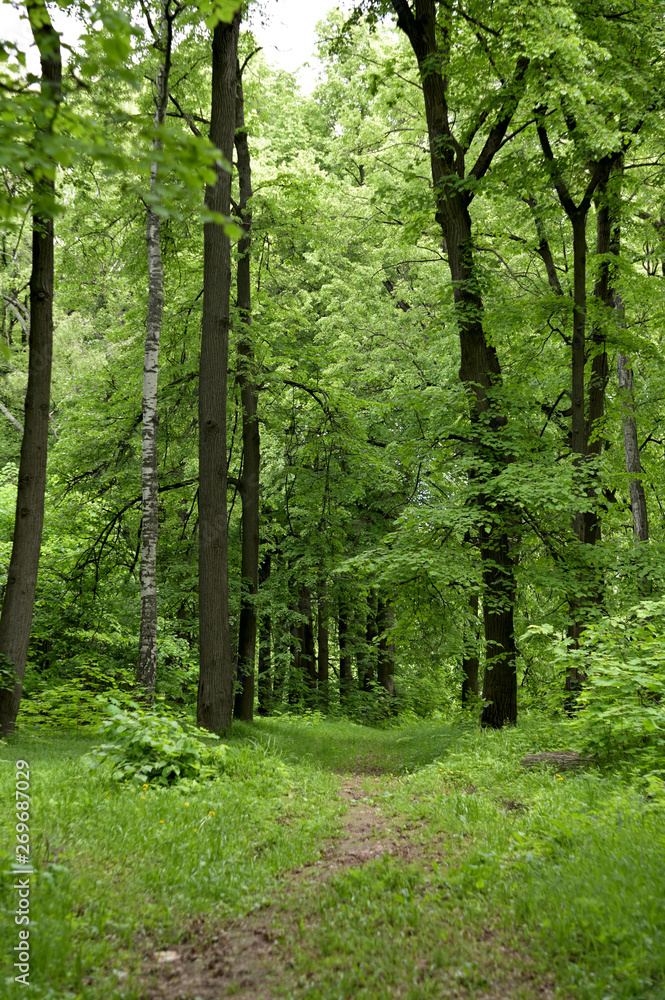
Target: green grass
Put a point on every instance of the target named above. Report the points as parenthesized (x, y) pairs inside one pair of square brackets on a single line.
[(121, 866), (537, 874)]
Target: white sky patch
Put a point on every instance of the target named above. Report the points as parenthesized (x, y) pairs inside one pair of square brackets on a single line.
[(286, 29), (16, 28)]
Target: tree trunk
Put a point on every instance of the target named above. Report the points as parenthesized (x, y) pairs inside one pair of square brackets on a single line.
[(500, 678), (638, 500), (19, 597), (296, 686), (366, 661), (215, 691), (264, 640), (480, 371), (308, 652), (385, 619), (470, 660), (281, 644), (345, 676), (251, 448), (323, 648), (146, 668)]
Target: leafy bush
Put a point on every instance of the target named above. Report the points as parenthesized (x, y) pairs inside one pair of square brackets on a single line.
[(149, 747), (76, 701), (622, 703)]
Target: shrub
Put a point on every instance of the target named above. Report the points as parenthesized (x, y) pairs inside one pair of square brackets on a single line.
[(148, 747), (622, 703), (76, 701)]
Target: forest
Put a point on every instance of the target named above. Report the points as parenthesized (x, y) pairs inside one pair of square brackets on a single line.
[(332, 641)]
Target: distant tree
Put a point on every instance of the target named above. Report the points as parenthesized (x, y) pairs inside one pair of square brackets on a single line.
[(251, 443)]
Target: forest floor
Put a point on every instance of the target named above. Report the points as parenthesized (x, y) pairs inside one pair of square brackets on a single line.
[(256, 958), (332, 861)]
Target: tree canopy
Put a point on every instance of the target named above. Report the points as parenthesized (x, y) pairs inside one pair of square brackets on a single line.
[(430, 382)]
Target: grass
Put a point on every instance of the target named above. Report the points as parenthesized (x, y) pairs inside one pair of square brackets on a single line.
[(517, 876)]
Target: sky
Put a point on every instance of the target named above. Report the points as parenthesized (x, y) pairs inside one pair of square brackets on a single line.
[(287, 33)]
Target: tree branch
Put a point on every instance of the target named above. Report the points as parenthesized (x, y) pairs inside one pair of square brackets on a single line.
[(11, 418), (500, 127)]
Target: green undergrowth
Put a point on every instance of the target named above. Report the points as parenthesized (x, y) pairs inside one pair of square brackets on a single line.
[(122, 868), (516, 877), (513, 879)]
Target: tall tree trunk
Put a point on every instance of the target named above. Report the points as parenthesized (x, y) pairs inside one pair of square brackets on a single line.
[(385, 619), (585, 441), (264, 640), (470, 660), (146, 668), (215, 691), (345, 676), (19, 597), (296, 686), (366, 660), (251, 446), (281, 644), (480, 371), (323, 647), (308, 651)]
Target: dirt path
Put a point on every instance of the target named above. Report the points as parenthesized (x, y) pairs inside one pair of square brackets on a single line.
[(247, 956), (252, 958)]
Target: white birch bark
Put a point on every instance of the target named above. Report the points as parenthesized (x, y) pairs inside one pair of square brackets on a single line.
[(146, 670)]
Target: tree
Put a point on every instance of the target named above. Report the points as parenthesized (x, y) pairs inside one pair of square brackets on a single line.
[(19, 596), (215, 689), (429, 29), (251, 445), (146, 670)]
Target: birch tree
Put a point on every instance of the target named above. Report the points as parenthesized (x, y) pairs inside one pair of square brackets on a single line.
[(146, 670)]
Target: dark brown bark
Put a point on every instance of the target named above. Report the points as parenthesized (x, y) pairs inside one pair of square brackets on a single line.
[(251, 445), (19, 596), (295, 689), (264, 642), (345, 675), (500, 677), (470, 660), (366, 658), (308, 650), (215, 692), (585, 441), (606, 237), (385, 620), (480, 371), (323, 648)]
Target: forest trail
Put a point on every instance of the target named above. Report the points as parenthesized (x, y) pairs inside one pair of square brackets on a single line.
[(256, 957)]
